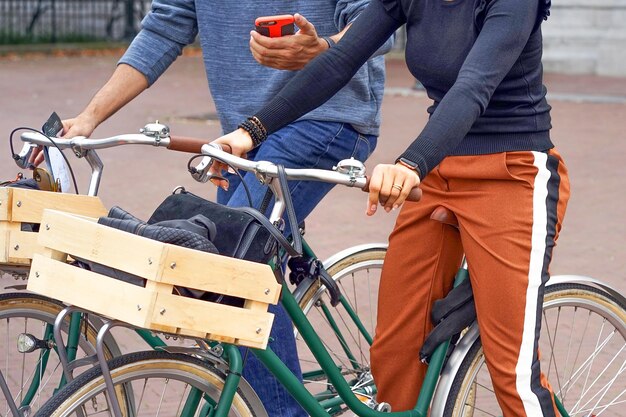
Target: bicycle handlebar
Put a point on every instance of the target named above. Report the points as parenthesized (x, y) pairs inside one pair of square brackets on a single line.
[(80, 144), (154, 134), (348, 172)]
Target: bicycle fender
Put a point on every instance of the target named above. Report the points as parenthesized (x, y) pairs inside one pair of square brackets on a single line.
[(248, 392), (449, 372), (332, 260), (582, 279)]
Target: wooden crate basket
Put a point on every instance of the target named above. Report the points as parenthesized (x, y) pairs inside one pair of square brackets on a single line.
[(19, 206), (154, 306)]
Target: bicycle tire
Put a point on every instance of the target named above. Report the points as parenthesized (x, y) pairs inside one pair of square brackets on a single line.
[(162, 368), (31, 313), (358, 274), (585, 387)]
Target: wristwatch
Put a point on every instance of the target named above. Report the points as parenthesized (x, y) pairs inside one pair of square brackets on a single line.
[(409, 164)]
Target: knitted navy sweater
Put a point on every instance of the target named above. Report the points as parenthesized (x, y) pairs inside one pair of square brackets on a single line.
[(479, 60)]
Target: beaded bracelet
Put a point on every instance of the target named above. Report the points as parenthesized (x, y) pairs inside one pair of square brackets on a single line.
[(257, 122), (255, 129)]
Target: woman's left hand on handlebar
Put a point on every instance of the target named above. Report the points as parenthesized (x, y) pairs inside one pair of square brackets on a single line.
[(240, 144), (390, 185)]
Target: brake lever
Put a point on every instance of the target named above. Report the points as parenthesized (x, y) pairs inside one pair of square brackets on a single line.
[(201, 172), (22, 159)]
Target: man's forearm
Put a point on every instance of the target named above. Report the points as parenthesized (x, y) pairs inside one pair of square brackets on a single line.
[(125, 84)]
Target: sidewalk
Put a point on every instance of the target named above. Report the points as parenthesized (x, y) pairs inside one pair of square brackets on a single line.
[(589, 130)]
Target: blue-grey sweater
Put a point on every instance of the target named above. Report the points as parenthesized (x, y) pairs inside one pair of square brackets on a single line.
[(239, 85), (480, 61)]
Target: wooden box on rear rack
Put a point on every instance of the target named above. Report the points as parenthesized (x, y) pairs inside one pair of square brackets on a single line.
[(154, 306), (20, 216)]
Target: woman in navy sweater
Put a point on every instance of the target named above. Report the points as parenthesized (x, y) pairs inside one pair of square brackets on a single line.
[(485, 154)]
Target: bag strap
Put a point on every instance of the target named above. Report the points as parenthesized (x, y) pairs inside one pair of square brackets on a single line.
[(294, 249), (291, 212), (270, 228)]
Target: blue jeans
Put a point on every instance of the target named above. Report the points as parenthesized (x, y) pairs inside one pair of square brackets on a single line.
[(303, 144)]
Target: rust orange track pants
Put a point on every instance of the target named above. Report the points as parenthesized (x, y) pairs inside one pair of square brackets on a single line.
[(510, 207)]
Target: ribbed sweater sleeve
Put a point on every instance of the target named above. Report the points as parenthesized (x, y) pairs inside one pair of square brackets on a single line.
[(506, 29), (330, 71)]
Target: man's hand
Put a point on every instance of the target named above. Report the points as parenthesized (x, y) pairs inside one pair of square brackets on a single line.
[(291, 52), (78, 126), (390, 185)]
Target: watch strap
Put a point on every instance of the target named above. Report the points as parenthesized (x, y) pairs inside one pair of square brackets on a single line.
[(409, 164)]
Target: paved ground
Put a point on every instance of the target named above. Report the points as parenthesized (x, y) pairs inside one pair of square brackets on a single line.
[(589, 115)]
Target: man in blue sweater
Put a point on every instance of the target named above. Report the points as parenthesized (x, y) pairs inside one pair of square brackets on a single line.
[(346, 126)]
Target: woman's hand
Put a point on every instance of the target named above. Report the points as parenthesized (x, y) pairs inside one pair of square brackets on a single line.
[(390, 185), (240, 144)]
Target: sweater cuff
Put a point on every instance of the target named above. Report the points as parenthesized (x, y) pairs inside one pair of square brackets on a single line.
[(273, 114), (425, 153)]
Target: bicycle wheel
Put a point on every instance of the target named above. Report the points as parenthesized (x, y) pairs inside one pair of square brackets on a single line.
[(33, 377), (162, 384), (583, 355), (357, 273)]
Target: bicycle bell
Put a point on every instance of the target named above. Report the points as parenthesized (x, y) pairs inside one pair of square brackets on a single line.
[(156, 130), (352, 167)]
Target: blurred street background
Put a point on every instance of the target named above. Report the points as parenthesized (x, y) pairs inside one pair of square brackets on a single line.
[(55, 54)]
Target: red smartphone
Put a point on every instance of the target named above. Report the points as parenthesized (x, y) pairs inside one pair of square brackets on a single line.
[(275, 26)]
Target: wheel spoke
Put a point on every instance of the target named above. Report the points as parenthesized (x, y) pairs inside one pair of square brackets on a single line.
[(587, 362)]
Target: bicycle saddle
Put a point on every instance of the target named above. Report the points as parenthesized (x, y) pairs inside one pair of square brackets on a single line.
[(445, 216)]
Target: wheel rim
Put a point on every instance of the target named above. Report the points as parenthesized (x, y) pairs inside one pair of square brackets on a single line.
[(21, 370), (159, 388)]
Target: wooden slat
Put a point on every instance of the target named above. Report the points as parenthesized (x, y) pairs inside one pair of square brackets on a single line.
[(5, 203), (143, 308), (86, 239), (7, 229), (32, 203), (158, 261), (22, 246), (5, 238), (91, 291), (212, 318), (220, 274)]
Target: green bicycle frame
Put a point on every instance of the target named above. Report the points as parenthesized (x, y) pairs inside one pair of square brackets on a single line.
[(313, 406)]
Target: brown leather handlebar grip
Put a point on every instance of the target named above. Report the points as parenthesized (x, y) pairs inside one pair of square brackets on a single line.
[(415, 194), (186, 144)]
